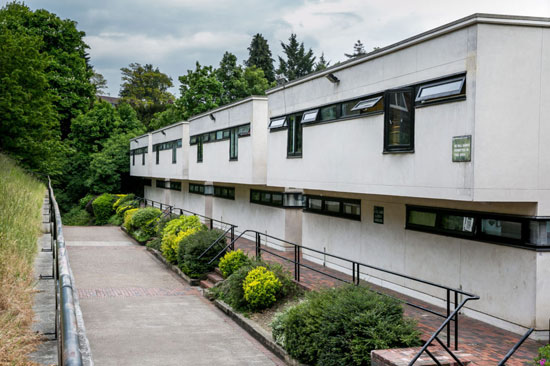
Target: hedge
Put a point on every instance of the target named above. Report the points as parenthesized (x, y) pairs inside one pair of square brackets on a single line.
[(192, 246), (173, 233), (103, 208)]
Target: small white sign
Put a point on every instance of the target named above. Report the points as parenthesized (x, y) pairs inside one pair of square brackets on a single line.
[(468, 224)]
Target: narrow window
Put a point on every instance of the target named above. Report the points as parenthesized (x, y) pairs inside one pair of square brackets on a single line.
[(233, 144), (310, 116), (399, 120), (199, 149), (174, 155), (158, 155), (366, 104), (134, 157), (143, 159), (441, 89), (294, 143), (279, 122)]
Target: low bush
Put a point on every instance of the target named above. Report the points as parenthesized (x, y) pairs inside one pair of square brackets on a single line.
[(342, 326), (154, 244), (124, 200), (85, 200), (103, 208), (260, 288), (143, 223), (128, 215), (192, 246), (115, 220), (77, 217), (232, 261), (544, 356), (173, 233)]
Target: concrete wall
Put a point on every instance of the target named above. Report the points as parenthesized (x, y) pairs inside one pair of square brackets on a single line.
[(250, 168), (347, 156), (139, 170), (165, 168), (504, 277)]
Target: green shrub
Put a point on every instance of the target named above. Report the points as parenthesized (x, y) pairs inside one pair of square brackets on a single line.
[(173, 233), (192, 246), (143, 223), (232, 261), (544, 356), (124, 200), (342, 326), (260, 288), (103, 208), (115, 220), (155, 243), (128, 215), (85, 200), (77, 217)]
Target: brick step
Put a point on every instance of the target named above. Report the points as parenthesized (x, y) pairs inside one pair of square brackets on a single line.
[(217, 270), (206, 284), (214, 277)]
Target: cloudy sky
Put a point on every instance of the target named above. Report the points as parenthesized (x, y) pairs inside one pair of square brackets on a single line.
[(173, 34)]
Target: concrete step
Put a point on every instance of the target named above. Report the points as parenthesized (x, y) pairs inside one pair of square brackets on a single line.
[(206, 284), (217, 270), (214, 277)]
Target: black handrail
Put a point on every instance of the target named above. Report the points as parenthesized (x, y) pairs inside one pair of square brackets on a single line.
[(68, 344), (516, 346), (356, 268), (223, 235)]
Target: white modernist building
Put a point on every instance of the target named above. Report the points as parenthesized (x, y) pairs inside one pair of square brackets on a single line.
[(428, 157)]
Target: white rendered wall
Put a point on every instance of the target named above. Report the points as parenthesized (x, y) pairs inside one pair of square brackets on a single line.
[(505, 278), (165, 168), (138, 169), (347, 156)]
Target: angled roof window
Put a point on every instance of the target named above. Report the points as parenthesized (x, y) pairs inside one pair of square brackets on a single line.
[(278, 123), (440, 89), (310, 116), (365, 104)]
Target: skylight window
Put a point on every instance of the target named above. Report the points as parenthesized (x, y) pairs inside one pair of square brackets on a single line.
[(365, 104), (440, 89), (278, 123), (310, 116)]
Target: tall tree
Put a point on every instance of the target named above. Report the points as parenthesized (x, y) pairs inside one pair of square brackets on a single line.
[(171, 115), (200, 91), (145, 88), (99, 82), (298, 62), (230, 75), (259, 55), (322, 63), (358, 50), (68, 71)]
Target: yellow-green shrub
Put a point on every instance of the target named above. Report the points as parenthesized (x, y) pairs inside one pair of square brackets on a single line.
[(120, 199), (260, 288), (232, 261), (175, 231), (128, 218)]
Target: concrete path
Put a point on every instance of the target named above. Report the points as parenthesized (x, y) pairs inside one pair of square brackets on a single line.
[(137, 312)]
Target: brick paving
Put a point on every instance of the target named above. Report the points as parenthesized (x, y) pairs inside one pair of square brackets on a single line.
[(486, 343)]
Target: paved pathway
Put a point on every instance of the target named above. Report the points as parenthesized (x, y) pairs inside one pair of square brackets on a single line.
[(136, 312)]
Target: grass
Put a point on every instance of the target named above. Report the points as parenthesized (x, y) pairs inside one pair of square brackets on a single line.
[(21, 199)]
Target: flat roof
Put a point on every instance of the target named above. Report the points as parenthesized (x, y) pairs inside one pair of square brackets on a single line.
[(477, 18)]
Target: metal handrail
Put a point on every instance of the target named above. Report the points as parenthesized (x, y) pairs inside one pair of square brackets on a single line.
[(68, 345), (516, 346), (223, 235), (356, 268)]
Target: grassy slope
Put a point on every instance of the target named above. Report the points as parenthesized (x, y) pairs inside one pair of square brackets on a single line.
[(20, 222)]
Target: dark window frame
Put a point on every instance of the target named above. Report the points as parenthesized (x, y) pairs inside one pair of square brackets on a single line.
[(196, 188), (147, 182), (233, 144), (243, 130), (200, 150), (477, 234), (264, 202), (175, 186), (295, 136), (174, 155), (160, 184), (326, 212), (387, 122), (133, 158), (218, 192), (446, 96)]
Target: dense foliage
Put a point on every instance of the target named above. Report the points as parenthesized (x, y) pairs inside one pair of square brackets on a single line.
[(543, 357), (261, 287), (259, 55), (143, 223), (192, 246), (232, 261), (342, 326), (103, 208), (173, 233), (298, 62)]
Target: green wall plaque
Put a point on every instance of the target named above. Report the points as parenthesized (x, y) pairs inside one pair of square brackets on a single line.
[(462, 148)]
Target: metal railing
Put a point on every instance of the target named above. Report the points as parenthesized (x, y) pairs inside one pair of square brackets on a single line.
[(356, 266), (172, 210), (67, 336), (516, 346)]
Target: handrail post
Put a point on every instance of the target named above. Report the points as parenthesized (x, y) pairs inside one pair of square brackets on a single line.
[(211, 223), (456, 322), (258, 254), (353, 272), (448, 313), (357, 278), (296, 265), (232, 237)]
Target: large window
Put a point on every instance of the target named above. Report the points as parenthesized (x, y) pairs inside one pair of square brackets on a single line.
[(176, 186), (340, 207), (224, 192), (480, 226), (160, 184), (294, 142), (399, 120), (268, 198), (196, 188), (233, 144)]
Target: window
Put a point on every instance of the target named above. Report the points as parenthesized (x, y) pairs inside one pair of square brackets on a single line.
[(266, 198), (310, 116), (147, 182), (176, 186), (133, 158), (142, 159), (174, 155), (279, 122), (219, 135), (454, 223), (226, 134), (199, 149), (158, 156), (339, 207), (329, 113), (193, 140), (399, 120), (493, 227), (365, 104), (294, 142), (441, 89), (196, 188), (244, 130), (160, 184), (233, 144), (224, 192)]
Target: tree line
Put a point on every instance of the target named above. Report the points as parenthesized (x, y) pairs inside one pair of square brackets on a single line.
[(51, 121)]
